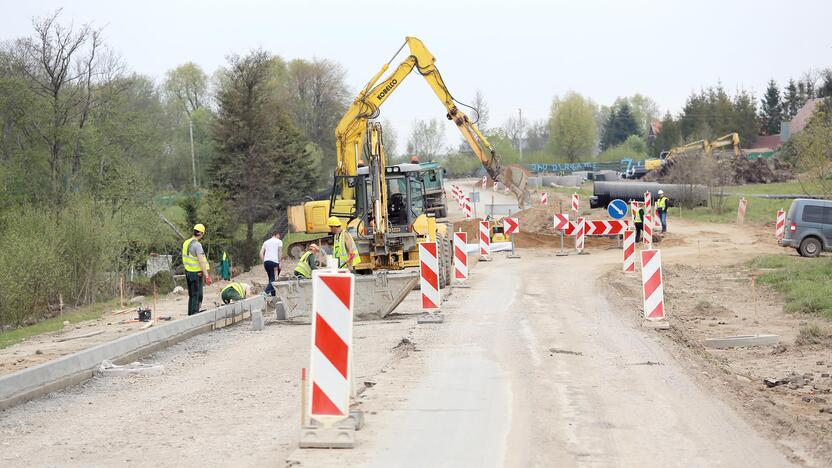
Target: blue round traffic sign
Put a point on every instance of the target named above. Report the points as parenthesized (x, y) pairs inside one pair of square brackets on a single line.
[(617, 209)]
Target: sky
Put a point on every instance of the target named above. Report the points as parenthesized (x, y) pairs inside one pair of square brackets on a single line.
[(519, 53)]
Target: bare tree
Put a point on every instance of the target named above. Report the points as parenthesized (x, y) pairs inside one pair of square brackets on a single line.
[(427, 139), (481, 108), (70, 70), (187, 85), (515, 128)]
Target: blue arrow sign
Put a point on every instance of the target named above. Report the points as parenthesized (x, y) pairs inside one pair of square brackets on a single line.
[(617, 209)]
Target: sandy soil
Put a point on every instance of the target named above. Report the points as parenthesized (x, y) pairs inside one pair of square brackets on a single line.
[(542, 362), (38, 349)]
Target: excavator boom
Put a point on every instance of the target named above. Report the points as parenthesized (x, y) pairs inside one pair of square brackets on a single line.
[(351, 130)]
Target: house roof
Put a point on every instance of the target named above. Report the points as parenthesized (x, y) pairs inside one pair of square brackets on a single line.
[(801, 119), (767, 141)]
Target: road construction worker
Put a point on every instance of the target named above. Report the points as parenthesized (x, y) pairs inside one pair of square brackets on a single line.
[(414, 159), (662, 204), (270, 254), (638, 217), (235, 292), (225, 266), (343, 246), (196, 268), (308, 262)]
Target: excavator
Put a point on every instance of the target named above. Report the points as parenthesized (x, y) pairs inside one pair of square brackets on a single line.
[(383, 206), (368, 213), (708, 147)]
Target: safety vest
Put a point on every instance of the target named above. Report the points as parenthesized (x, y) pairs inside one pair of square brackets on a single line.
[(661, 203), (237, 287), (637, 216), (339, 250), (190, 262), (303, 267)]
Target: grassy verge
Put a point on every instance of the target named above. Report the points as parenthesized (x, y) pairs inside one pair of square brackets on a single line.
[(805, 282), (758, 210), (90, 312)]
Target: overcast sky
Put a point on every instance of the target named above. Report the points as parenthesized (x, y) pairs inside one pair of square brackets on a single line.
[(519, 53)]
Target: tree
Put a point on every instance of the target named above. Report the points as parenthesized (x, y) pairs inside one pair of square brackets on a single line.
[(771, 111), (536, 136), (573, 129), (619, 125), (187, 85), (514, 129), (482, 113), (791, 100), (262, 163), (825, 89), (427, 139), (814, 147), (315, 97), (66, 68), (391, 140), (669, 136)]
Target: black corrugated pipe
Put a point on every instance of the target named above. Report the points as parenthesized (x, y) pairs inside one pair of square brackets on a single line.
[(689, 195)]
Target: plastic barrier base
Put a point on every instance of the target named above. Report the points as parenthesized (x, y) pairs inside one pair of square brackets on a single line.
[(431, 318)]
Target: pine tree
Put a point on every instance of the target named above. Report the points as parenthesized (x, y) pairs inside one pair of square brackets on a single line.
[(262, 163), (619, 125), (825, 89), (791, 101), (771, 111)]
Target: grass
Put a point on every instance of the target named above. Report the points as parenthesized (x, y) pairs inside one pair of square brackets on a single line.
[(810, 334), (758, 210), (804, 282), (81, 314), (784, 188)]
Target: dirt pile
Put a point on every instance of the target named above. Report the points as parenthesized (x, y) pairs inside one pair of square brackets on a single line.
[(760, 170)]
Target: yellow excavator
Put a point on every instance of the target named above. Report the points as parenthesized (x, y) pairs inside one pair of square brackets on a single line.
[(708, 147), (384, 205)]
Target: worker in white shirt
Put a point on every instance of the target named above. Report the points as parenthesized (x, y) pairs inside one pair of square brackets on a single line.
[(270, 255)]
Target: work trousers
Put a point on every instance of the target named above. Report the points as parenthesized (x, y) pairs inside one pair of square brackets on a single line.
[(663, 219), (638, 231), (272, 270), (194, 279)]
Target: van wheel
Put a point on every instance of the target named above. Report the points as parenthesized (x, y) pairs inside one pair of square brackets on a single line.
[(810, 247)]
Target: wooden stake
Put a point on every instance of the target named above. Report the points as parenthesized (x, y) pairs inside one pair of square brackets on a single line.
[(154, 299), (60, 304), (121, 288), (303, 397), (754, 293)]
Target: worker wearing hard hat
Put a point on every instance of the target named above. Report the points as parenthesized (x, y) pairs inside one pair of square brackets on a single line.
[(196, 268), (661, 208), (414, 159), (343, 245), (235, 292), (308, 262)]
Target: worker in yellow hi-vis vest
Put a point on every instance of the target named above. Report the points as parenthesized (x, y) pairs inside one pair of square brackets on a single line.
[(196, 268), (343, 245), (235, 292)]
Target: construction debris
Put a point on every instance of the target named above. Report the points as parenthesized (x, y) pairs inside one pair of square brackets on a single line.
[(108, 369), (59, 340)]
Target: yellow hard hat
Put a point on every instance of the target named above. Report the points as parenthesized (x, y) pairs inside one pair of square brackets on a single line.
[(199, 227), (333, 221)]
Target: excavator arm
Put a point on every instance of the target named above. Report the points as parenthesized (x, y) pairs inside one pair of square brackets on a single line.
[(351, 130)]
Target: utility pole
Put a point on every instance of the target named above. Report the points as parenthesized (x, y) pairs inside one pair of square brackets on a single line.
[(520, 124), (193, 156)]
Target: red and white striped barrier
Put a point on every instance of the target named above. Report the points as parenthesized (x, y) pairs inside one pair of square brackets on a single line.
[(576, 203), (580, 230), (484, 181), (657, 223), (329, 369), (561, 222), (604, 228), (511, 226), (460, 256), (505, 189), (544, 198), (429, 281), (647, 222), (468, 208), (743, 204), (485, 241), (780, 224), (629, 251), (651, 280)]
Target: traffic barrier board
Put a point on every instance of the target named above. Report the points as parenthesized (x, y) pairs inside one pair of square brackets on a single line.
[(604, 228), (484, 181), (780, 224), (544, 198), (652, 288), (561, 221), (485, 240), (743, 204), (429, 281), (329, 369), (576, 203), (647, 222), (469, 210), (579, 234), (511, 226), (461, 256), (629, 251)]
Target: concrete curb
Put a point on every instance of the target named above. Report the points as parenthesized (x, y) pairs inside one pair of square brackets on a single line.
[(34, 382)]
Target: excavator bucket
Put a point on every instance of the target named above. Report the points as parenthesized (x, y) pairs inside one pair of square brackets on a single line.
[(375, 297), (516, 179)]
